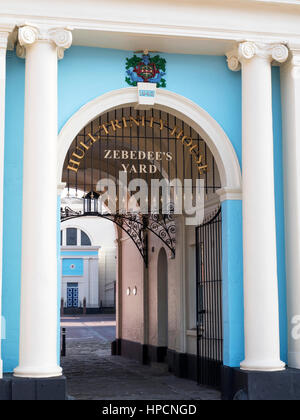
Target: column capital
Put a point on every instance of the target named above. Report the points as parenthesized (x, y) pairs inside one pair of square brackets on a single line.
[(28, 35), (247, 50)]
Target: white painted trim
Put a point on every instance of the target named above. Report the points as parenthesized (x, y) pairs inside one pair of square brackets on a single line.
[(229, 194), (79, 257), (80, 248), (181, 107), (60, 187), (7, 37), (237, 26), (191, 333)]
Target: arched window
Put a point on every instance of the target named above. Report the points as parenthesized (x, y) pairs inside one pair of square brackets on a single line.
[(71, 237), (74, 237), (85, 240)]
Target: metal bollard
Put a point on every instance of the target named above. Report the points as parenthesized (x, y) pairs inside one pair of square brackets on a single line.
[(63, 342)]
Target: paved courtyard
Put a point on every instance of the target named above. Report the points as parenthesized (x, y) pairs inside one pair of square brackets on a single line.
[(93, 374)]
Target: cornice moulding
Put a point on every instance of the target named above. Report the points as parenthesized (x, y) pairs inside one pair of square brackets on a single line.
[(145, 28), (216, 24), (6, 27), (7, 36), (3, 40), (230, 194)]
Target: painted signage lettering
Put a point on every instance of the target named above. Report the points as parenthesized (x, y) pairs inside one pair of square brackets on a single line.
[(134, 155), (114, 125), (137, 155)]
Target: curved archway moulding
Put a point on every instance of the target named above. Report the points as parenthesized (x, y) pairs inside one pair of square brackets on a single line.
[(181, 107)]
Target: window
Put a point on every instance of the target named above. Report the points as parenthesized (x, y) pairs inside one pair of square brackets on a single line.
[(85, 240), (71, 236), (74, 237)]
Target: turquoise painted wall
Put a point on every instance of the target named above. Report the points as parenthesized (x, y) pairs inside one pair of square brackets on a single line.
[(58, 280), (279, 208), (84, 74), (233, 298), (12, 228), (72, 267), (78, 253), (205, 80)]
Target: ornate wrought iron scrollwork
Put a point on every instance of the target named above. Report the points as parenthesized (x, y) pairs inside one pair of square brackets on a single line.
[(136, 226), (68, 213), (164, 227)]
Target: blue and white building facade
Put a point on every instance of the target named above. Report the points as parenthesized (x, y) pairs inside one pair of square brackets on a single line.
[(233, 75), (88, 265)]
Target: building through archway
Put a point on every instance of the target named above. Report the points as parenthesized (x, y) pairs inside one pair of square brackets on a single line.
[(150, 148)]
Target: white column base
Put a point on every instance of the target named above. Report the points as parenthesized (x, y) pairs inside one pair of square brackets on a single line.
[(38, 372), (1, 366), (260, 366)]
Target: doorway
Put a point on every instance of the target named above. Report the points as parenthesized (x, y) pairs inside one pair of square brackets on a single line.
[(72, 295), (162, 297)]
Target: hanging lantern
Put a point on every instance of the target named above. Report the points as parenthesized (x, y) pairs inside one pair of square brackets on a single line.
[(91, 203)]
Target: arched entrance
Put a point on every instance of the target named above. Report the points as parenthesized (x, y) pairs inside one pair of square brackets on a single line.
[(159, 143)]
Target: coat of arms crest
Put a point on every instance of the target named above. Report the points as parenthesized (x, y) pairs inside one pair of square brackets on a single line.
[(146, 69)]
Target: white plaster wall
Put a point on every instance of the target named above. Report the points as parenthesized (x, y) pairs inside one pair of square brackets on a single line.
[(190, 283), (132, 306), (152, 289), (93, 296), (107, 275), (84, 286), (175, 307), (176, 293), (191, 286), (101, 232)]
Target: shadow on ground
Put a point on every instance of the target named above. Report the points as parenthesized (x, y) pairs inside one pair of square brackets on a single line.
[(93, 374)]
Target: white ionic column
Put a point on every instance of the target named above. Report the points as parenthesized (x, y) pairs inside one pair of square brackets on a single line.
[(38, 324), (290, 84), (3, 46), (262, 344)]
